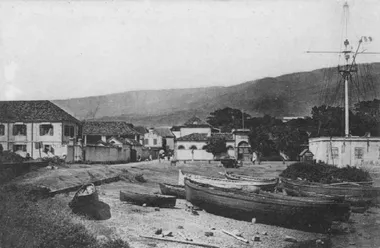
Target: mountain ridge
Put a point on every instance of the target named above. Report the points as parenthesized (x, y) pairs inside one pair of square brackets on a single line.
[(292, 94)]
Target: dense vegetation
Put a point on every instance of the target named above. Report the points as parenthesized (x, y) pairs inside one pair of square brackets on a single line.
[(324, 173), (28, 219), (269, 135)]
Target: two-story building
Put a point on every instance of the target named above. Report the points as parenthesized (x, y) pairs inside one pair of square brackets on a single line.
[(191, 141), (36, 127), (160, 137)]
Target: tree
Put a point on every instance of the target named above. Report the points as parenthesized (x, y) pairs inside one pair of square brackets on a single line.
[(367, 118), (227, 119), (216, 145)]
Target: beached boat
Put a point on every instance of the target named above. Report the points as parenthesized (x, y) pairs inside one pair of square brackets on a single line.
[(355, 194), (173, 189), (263, 183), (85, 195), (219, 182), (151, 200), (310, 214)]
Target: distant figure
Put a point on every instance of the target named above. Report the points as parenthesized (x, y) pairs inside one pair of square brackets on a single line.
[(27, 157), (254, 157), (139, 158), (284, 157), (150, 157)]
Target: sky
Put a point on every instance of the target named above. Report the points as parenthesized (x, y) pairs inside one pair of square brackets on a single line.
[(68, 49)]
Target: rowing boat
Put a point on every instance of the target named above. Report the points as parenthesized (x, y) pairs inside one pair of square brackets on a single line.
[(151, 200), (173, 189), (305, 213), (263, 183), (355, 194), (219, 182)]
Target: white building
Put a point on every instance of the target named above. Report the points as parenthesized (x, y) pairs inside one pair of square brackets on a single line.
[(342, 151), (39, 128)]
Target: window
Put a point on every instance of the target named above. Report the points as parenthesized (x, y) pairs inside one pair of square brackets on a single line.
[(146, 142), (19, 148), (359, 151), (2, 130), (334, 153), (193, 147), (69, 131), (19, 129), (46, 130), (154, 141), (181, 147)]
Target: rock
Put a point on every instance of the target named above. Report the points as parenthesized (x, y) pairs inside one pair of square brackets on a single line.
[(167, 233), (208, 234), (144, 205), (158, 231), (213, 228), (352, 243), (156, 209), (256, 238), (194, 212), (152, 244), (290, 239), (265, 233), (253, 220), (102, 239), (180, 227), (319, 242)]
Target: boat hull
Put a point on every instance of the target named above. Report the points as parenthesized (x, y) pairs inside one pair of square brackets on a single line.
[(171, 189), (267, 184), (305, 214), (151, 200), (356, 196)]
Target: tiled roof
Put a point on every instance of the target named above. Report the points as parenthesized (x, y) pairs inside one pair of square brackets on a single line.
[(227, 136), (126, 141), (141, 129), (194, 137), (33, 111), (108, 128), (164, 132)]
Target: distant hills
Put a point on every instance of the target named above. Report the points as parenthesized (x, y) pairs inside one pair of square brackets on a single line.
[(287, 95)]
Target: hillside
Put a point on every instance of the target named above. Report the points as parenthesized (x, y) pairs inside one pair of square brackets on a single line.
[(287, 95)]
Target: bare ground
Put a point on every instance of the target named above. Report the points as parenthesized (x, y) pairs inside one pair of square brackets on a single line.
[(130, 221)]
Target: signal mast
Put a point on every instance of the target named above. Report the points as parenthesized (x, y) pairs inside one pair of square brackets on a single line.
[(350, 67)]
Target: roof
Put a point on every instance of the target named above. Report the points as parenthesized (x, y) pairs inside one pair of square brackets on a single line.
[(164, 132), (175, 128), (33, 111), (194, 137), (141, 129), (226, 136), (304, 152), (196, 122), (125, 141), (108, 128)]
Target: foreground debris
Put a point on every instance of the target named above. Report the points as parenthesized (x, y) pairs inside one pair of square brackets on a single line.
[(180, 241)]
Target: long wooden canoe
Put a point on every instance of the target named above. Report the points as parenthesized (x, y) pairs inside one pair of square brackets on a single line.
[(224, 183), (151, 200), (173, 189), (356, 195), (263, 183), (310, 214)]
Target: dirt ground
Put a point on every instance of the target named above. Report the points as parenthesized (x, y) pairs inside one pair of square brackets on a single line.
[(130, 221)]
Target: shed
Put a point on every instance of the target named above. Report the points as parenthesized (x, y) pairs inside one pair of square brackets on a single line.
[(306, 156)]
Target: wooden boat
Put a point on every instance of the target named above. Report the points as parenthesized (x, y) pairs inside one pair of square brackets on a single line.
[(263, 183), (151, 200), (222, 183), (173, 189), (310, 214), (355, 194), (85, 195)]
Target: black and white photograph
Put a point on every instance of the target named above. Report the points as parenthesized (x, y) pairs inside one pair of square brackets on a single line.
[(189, 123)]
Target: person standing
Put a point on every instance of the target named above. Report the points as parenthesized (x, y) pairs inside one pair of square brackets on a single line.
[(254, 157)]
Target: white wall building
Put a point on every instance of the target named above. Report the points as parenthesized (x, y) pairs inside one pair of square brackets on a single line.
[(342, 151)]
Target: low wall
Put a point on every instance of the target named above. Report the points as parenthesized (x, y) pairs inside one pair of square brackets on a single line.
[(97, 153), (187, 154), (103, 154)]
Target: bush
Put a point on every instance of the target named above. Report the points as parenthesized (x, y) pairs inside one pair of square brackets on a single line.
[(324, 173), (28, 219)]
